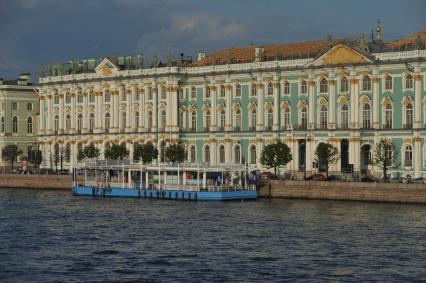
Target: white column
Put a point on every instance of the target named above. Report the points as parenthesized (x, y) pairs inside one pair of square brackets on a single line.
[(213, 108), (85, 115), (311, 116), (376, 102), (73, 114), (49, 113), (141, 108), (417, 157), (417, 102), (41, 117), (154, 108), (260, 106), (331, 104), (228, 110), (98, 110), (61, 113), (276, 109), (228, 149), (213, 151), (355, 148), (354, 103), (128, 110), (309, 153), (174, 108)]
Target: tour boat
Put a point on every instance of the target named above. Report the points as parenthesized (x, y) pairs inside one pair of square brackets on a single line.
[(164, 181)]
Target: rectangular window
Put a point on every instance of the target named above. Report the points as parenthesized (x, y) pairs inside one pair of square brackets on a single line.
[(193, 92), (56, 99), (68, 98), (29, 106), (14, 106), (79, 98)]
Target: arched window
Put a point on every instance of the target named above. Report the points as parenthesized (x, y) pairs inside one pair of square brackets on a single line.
[(238, 90), (323, 86), (366, 83), (253, 155), (270, 90), (68, 152), (388, 83), (409, 82), (123, 122), (136, 121), (303, 87), (56, 124), (253, 89), (207, 154), (323, 117), (222, 154), (253, 114), (366, 111), (79, 123), (304, 117), (238, 120), (269, 119), (408, 156), (107, 96), (163, 120), (192, 154), (344, 86), (222, 120), (237, 154), (30, 125), (286, 88), (67, 123), (207, 118), (193, 121), (286, 118), (91, 122), (193, 92), (344, 116), (149, 120), (409, 116), (222, 91), (107, 122), (388, 117), (163, 92), (2, 125)]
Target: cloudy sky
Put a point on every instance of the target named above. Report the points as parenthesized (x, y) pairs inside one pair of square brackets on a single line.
[(35, 32)]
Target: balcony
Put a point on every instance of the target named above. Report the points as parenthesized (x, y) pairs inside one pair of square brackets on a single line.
[(408, 126), (206, 129), (286, 128), (387, 126), (252, 129), (301, 127), (161, 129), (343, 127), (221, 129), (237, 129), (268, 128), (192, 130), (322, 126)]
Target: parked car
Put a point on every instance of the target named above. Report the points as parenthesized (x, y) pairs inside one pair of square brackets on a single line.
[(419, 180), (318, 177), (267, 175), (370, 179), (336, 178), (396, 180)]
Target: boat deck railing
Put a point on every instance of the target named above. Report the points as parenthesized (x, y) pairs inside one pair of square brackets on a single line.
[(168, 187)]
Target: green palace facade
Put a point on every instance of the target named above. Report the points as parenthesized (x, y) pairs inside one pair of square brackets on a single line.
[(226, 106)]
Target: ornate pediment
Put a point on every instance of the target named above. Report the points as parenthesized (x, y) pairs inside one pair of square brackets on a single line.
[(106, 68), (341, 54)]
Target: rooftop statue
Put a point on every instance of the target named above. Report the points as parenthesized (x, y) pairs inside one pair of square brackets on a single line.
[(169, 59)]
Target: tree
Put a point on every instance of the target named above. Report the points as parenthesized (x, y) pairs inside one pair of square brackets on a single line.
[(383, 156), (116, 152), (326, 155), (275, 155), (175, 153), (58, 157), (80, 155), (145, 152), (11, 153), (90, 151)]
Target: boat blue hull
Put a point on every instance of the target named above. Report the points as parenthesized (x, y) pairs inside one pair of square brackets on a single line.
[(164, 194)]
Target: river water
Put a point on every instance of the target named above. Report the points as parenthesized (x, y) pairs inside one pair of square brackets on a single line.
[(52, 236)]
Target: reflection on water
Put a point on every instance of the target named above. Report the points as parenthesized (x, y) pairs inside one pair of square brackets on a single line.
[(54, 236)]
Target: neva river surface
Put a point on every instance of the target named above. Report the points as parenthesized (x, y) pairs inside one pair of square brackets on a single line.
[(52, 236)]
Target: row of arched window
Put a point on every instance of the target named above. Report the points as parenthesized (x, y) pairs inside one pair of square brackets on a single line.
[(15, 126), (236, 154)]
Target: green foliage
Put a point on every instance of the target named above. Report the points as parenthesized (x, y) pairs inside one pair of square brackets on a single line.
[(145, 152), (116, 152), (11, 153), (326, 154), (383, 156), (80, 155), (90, 151), (175, 153), (275, 155)]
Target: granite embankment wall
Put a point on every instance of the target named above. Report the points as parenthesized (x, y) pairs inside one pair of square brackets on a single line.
[(354, 191), (54, 182)]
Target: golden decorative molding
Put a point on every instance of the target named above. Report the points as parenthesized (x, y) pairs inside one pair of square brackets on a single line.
[(342, 54), (312, 83), (332, 82), (376, 80), (417, 77), (354, 81)]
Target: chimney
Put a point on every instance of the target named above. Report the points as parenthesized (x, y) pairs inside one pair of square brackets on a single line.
[(258, 53), (201, 55)]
